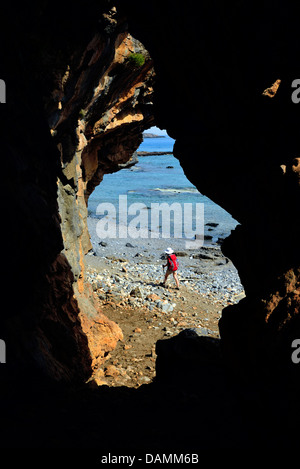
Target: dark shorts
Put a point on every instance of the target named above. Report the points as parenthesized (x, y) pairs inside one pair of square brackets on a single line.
[(171, 271)]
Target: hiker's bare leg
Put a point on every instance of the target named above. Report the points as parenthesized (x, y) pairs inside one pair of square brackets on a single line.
[(166, 277), (176, 279)]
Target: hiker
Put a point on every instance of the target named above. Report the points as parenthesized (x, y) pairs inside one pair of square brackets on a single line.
[(172, 267)]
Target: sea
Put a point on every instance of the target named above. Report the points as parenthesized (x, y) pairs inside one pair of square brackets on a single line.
[(158, 179)]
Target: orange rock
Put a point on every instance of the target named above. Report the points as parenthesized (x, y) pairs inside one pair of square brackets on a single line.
[(112, 371), (153, 297), (272, 90), (100, 382), (102, 333)]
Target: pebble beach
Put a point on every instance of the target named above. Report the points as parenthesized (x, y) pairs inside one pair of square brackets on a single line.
[(126, 273), (126, 276), (205, 270)]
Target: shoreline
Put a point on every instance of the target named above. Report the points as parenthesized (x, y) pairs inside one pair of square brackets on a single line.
[(206, 266), (126, 276), (153, 153)]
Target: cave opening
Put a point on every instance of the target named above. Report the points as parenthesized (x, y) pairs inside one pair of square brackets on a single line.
[(218, 93), (128, 243)]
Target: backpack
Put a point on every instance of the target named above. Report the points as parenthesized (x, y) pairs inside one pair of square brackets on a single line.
[(172, 262)]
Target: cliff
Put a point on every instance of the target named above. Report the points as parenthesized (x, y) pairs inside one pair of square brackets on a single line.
[(77, 103), (150, 135), (236, 131), (111, 116), (96, 102)]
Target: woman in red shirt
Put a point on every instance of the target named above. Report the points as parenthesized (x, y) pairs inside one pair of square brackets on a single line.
[(172, 266)]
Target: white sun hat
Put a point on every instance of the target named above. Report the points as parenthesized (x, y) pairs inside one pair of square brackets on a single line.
[(169, 251)]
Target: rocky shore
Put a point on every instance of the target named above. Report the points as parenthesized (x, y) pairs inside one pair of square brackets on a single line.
[(151, 135), (126, 275), (155, 153)]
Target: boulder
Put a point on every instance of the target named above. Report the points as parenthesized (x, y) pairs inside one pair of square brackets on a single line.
[(137, 292)]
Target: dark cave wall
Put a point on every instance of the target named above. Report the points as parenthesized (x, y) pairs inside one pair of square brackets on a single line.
[(76, 109), (237, 137), (236, 143), (40, 323)]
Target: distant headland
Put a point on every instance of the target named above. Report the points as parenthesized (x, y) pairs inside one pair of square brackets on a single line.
[(151, 153), (149, 135)]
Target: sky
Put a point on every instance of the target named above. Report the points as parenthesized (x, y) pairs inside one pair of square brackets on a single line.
[(156, 130)]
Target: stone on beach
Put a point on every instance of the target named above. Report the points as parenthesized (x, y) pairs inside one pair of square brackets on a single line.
[(165, 306), (137, 292)]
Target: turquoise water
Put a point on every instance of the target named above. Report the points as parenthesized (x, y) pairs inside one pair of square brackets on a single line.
[(158, 179)]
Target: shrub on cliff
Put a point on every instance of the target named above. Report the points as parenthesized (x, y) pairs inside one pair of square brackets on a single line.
[(136, 60)]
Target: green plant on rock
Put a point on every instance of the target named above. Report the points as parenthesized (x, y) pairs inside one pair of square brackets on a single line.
[(136, 59), (82, 113)]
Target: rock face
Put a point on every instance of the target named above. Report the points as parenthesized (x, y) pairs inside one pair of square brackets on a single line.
[(234, 116), (97, 102), (222, 90), (108, 131), (112, 116)]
